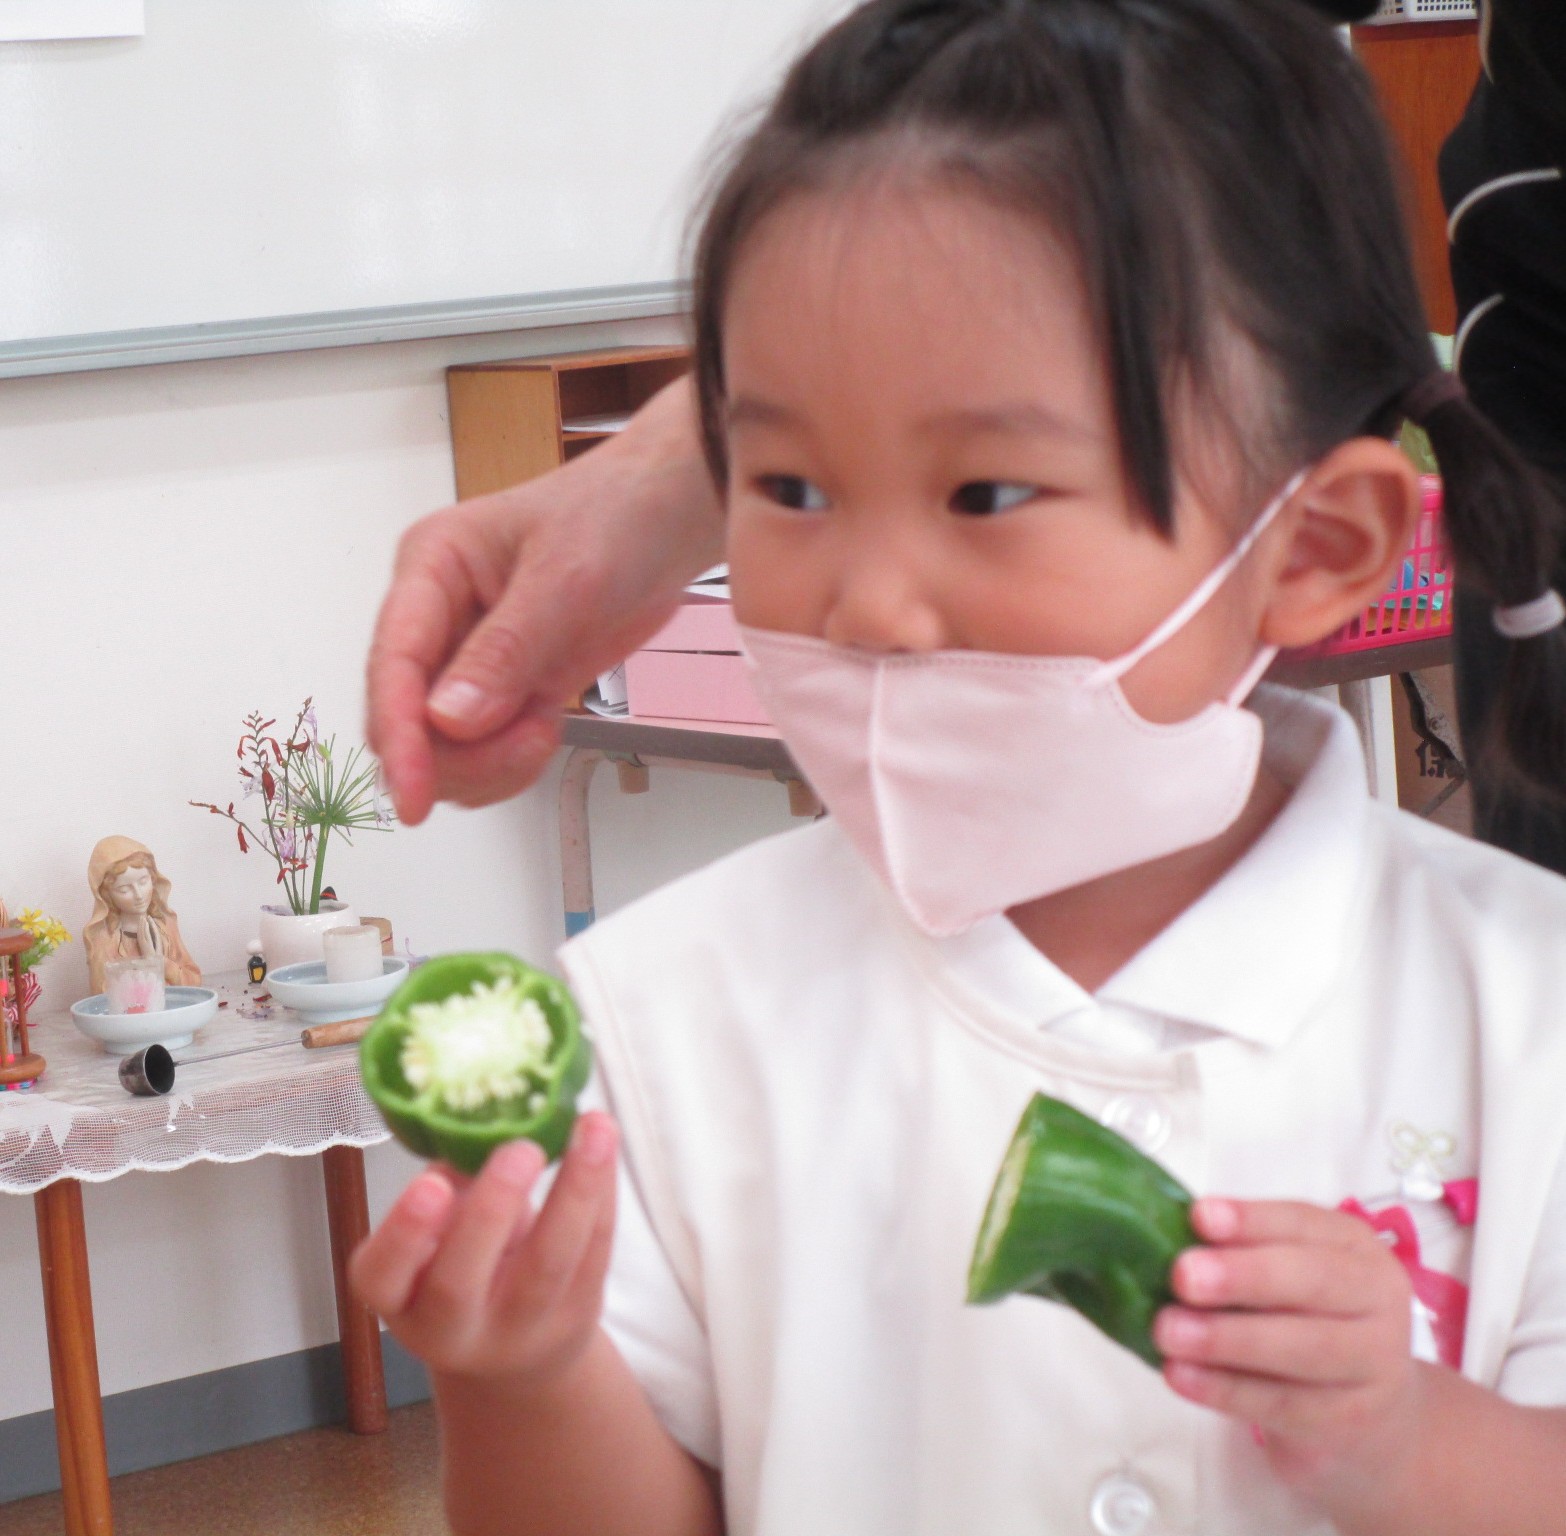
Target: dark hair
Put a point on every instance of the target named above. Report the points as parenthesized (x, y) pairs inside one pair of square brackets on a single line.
[(1221, 170)]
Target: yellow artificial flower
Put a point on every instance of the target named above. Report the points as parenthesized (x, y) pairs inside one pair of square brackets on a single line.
[(48, 935)]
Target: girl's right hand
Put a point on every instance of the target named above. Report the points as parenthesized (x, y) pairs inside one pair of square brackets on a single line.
[(475, 1283)]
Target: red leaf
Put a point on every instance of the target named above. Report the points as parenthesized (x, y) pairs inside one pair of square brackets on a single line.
[(277, 751), (244, 847), (230, 807), (268, 784)]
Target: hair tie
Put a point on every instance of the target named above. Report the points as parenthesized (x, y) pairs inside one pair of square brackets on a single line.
[(1426, 396), (1527, 621)]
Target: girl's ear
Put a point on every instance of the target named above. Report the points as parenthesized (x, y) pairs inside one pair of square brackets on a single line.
[(1351, 523)]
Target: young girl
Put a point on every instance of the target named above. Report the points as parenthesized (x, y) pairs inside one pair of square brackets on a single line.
[(1048, 354)]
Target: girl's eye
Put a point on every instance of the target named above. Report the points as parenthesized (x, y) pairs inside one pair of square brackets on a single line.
[(980, 497), (794, 492)]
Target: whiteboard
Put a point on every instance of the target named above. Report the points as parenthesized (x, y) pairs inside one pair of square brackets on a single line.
[(248, 160)]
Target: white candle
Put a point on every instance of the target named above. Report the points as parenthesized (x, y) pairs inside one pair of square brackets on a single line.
[(135, 985), (352, 954)]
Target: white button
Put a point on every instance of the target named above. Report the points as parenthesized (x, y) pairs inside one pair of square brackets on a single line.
[(1121, 1506), (1139, 1117)]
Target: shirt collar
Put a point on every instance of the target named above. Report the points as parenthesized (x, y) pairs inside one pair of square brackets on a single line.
[(1254, 954)]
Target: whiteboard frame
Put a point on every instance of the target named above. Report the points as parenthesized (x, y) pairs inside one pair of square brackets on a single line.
[(30, 358)]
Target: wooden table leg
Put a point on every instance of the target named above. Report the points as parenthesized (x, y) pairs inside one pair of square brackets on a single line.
[(73, 1359), (348, 1219)]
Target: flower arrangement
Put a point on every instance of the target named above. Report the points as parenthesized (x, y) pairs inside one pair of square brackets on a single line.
[(48, 935), (307, 793)]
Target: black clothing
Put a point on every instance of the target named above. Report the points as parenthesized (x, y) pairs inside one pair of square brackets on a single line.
[(1524, 46), (1346, 10), (1508, 259)]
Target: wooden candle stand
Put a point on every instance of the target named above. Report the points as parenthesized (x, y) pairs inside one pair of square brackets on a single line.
[(22, 1065)]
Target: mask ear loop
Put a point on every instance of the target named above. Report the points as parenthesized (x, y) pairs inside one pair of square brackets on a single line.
[(1117, 667), (1252, 675)]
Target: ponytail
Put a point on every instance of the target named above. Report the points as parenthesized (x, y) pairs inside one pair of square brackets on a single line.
[(1506, 525)]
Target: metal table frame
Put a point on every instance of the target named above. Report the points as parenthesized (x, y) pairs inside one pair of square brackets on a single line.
[(637, 746)]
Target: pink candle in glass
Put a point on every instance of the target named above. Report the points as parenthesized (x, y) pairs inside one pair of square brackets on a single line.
[(134, 986)]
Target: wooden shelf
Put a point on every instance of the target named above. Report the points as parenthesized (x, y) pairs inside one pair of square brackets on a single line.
[(509, 419)]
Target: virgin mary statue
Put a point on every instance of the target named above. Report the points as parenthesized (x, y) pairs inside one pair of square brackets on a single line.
[(131, 915)]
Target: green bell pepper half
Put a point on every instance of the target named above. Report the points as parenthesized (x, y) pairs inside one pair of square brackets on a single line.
[(465, 1138), (1079, 1215)]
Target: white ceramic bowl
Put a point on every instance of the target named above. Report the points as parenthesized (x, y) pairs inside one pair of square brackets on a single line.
[(186, 1010), (305, 989)]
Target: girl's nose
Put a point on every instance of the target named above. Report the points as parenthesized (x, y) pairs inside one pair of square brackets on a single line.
[(881, 606)]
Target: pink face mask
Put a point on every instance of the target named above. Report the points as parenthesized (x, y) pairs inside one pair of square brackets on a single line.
[(973, 781)]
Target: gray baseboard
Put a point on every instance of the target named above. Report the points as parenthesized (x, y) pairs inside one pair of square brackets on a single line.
[(197, 1415)]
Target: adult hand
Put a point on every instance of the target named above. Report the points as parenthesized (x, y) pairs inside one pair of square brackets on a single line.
[(1297, 1321), (503, 607)]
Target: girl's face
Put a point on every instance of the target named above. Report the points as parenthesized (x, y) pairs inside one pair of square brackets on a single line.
[(131, 891), (923, 452)]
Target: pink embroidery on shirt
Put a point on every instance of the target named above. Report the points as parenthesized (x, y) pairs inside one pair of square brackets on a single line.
[(1443, 1298)]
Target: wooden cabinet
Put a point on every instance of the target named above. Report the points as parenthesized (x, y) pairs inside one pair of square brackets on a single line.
[(1424, 73), (511, 421)]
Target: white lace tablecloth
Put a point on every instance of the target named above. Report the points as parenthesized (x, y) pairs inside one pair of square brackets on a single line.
[(78, 1122)]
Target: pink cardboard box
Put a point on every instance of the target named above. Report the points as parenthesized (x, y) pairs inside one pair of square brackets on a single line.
[(699, 624), (692, 669)]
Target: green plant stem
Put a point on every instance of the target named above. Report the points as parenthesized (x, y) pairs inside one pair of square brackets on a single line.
[(320, 869)]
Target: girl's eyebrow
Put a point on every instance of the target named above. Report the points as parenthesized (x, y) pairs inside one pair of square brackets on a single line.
[(749, 410), (1019, 419)]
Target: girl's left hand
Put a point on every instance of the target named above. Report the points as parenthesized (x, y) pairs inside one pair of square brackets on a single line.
[(1297, 1320)]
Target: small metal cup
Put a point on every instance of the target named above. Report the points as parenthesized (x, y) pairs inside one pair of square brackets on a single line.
[(149, 1072)]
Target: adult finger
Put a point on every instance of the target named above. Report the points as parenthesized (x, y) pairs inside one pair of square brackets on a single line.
[(419, 623), (457, 1283), (541, 640), (386, 1266), (553, 1254), (502, 765), (602, 547)]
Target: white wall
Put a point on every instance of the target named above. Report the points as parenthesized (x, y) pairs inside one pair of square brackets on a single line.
[(248, 159), (180, 545)]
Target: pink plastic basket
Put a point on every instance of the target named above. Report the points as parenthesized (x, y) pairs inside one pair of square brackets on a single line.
[(1418, 604)]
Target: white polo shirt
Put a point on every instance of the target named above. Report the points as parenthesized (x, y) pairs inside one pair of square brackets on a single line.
[(814, 1100)]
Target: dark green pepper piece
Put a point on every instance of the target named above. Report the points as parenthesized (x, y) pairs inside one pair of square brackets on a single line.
[(464, 1138), (1079, 1215)]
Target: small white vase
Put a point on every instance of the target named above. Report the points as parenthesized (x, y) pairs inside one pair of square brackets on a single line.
[(290, 940)]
